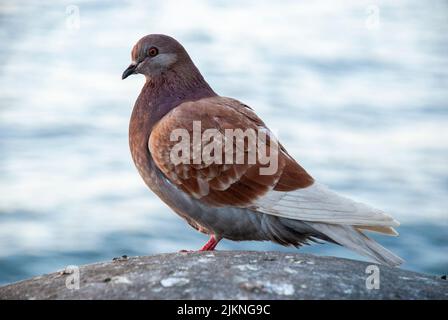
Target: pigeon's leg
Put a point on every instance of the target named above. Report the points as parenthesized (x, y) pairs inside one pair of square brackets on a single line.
[(211, 244)]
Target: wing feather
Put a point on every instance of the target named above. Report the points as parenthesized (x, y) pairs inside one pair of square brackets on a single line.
[(221, 184), (318, 203)]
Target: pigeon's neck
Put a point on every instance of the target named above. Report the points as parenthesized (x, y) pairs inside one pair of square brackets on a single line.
[(163, 93)]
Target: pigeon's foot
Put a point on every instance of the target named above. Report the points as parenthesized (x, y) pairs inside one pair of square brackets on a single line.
[(209, 246)]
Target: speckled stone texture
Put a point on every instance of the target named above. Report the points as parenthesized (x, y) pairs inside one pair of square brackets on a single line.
[(230, 275)]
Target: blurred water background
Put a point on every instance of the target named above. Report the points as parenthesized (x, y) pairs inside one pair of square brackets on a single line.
[(356, 90)]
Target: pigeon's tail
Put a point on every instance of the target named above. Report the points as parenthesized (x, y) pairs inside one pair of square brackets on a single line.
[(352, 238)]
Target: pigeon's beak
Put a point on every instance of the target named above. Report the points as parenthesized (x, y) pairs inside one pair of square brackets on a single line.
[(130, 70)]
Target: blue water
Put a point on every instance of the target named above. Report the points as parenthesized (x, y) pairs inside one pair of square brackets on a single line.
[(359, 99)]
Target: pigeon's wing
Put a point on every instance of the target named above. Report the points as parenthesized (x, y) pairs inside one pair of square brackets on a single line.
[(206, 148), (288, 191)]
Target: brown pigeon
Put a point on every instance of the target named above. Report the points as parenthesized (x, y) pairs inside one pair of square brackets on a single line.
[(229, 194)]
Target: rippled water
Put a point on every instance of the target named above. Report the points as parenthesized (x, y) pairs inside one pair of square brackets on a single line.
[(361, 105)]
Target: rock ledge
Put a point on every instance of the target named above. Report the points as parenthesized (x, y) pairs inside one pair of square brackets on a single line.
[(229, 275)]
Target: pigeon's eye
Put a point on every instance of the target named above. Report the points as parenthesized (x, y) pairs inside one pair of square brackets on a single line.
[(152, 52)]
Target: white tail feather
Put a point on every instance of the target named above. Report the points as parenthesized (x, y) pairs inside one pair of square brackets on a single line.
[(351, 238), (319, 204), (389, 231)]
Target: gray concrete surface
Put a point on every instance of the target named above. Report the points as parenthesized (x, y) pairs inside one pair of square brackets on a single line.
[(229, 275)]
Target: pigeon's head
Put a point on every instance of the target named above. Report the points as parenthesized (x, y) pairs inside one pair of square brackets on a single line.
[(155, 54)]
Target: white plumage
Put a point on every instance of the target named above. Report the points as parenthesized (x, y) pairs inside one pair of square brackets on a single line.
[(320, 204), (336, 216)]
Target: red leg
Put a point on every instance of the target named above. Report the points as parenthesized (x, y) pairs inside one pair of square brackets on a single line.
[(211, 244)]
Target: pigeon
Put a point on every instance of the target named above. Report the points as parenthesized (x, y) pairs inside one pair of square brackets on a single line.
[(234, 198)]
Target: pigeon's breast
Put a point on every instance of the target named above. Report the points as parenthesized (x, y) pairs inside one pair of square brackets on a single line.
[(233, 223), (229, 222)]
